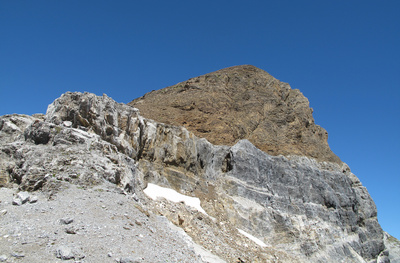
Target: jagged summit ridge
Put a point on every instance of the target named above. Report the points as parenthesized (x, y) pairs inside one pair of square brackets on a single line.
[(241, 102)]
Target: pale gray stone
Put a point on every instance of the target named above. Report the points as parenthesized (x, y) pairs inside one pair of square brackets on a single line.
[(17, 201), (66, 221), (17, 255), (23, 196), (71, 230), (130, 260), (65, 253), (33, 199), (67, 124)]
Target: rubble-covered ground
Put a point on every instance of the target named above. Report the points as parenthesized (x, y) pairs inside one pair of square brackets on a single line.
[(99, 224)]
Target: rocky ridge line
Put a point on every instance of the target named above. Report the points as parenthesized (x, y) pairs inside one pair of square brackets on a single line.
[(303, 210)]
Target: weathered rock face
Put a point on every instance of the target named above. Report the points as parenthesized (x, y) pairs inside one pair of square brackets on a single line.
[(307, 207), (301, 209), (112, 121), (43, 154), (394, 247), (241, 102)]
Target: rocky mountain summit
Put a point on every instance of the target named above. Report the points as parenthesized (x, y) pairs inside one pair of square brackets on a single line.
[(241, 102), (93, 180)]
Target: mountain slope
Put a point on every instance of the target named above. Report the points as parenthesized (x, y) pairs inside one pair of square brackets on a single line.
[(241, 102), (254, 207)]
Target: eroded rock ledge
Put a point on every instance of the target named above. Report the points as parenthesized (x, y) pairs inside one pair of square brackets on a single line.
[(302, 209)]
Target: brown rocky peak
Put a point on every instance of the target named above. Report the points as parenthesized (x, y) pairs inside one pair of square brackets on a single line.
[(241, 102)]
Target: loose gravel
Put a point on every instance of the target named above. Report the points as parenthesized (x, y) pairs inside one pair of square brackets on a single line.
[(100, 224)]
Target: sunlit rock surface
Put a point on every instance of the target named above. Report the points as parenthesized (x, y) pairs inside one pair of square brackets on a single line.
[(300, 209)]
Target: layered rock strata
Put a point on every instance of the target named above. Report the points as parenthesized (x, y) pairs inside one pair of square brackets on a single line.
[(301, 209)]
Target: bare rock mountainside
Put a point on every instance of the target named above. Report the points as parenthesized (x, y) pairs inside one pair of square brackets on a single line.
[(241, 102), (93, 180)]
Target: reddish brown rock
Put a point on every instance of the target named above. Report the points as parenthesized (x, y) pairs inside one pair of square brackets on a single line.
[(241, 102)]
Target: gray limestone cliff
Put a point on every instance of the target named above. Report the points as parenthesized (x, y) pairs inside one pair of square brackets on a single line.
[(299, 209)]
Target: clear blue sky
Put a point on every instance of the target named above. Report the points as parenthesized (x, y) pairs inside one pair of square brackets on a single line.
[(343, 55)]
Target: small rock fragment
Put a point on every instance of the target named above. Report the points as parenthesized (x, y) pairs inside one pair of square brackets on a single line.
[(67, 124), (17, 255), (134, 197), (66, 221), (33, 199), (21, 198), (17, 201), (71, 230), (130, 260), (79, 255), (66, 253), (3, 212), (24, 196), (3, 258)]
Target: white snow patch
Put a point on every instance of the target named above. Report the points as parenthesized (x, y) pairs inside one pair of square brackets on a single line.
[(154, 191), (253, 238)]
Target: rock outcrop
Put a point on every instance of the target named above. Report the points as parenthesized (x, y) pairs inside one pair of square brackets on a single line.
[(241, 102), (258, 207), (393, 245)]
